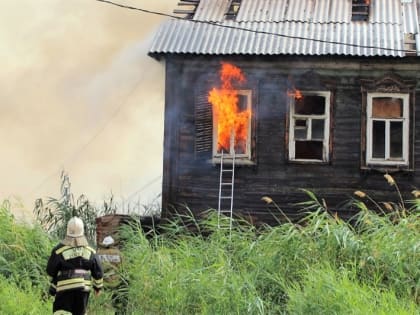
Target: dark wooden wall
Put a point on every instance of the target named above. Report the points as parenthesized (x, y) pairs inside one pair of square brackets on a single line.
[(190, 180)]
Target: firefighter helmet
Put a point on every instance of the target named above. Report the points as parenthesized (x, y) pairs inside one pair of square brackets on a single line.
[(108, 241), (75, 227)]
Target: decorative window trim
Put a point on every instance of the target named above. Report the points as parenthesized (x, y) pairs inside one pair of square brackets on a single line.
[(309, 118), (387, 160), (392, 84)]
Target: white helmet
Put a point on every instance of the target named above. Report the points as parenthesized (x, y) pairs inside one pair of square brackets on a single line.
[(108, 241), (75, 227)]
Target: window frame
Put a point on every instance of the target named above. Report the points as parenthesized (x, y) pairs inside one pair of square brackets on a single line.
[(387, 160), (241, 156), (327, 123)]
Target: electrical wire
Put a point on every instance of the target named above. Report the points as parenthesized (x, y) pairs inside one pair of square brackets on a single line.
[(154, 180), (250, 30), (210, 23)]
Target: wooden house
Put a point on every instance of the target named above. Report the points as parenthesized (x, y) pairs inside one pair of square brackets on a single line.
[(326, 91)]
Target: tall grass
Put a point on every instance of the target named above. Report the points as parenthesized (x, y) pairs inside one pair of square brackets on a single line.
[(320, 265), (15, 300), (391, 257), (54, 213), (331, 291), (375, 263), (24, 251)]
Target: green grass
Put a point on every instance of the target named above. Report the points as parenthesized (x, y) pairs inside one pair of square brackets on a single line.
[(274, 272), (24, 251), (329, 291), (21, 301), (321, 265)]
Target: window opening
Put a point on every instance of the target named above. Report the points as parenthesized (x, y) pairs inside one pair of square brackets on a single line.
[(410, 46), (233, 9), (360, 10), (188, 8), (233, 126), (387, 128), (231, 114), (309, 121)]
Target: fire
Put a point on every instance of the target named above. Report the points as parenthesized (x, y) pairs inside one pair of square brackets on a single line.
[(291, 90), (295, 93), (232, 120)]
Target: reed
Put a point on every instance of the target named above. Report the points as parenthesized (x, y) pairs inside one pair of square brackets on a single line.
[(319, 265)]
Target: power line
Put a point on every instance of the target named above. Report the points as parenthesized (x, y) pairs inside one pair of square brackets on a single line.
[(250, 30), (144, 187)]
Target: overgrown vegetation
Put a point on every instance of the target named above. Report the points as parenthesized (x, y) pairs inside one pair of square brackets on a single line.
[(54, 213), (24, 251), (321, 265)]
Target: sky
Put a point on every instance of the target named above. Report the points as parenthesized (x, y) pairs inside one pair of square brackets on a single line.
[(79, 94)]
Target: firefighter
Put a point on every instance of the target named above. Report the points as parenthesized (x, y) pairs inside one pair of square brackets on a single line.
[(110, 256), (75, 269)]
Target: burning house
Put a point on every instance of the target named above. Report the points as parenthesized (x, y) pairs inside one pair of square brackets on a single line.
[(288, 95)]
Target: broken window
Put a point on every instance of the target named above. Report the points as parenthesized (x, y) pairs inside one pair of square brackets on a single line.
[(387, 131), (360, 10), (232, 126), (309, 126)]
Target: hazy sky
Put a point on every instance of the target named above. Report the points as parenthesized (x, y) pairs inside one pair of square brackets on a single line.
[(78, 92)]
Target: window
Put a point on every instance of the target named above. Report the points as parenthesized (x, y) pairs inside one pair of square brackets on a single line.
[(410, 46), (232, 126), (224, 117), (360, 10), (309, 123), (189, 7), (387, 129), (233, 9)]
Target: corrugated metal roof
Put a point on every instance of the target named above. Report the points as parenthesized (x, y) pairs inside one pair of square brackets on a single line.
[(301, 27)]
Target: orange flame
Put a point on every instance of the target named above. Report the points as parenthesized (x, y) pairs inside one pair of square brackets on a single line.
[(295, 93), (232, 121)]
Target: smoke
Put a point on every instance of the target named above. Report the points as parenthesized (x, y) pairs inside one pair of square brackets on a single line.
[(79, 92)]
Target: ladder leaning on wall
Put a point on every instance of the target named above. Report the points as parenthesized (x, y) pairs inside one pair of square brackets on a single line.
[(226, 188)]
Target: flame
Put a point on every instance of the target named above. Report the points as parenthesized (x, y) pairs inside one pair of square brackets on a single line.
[(295, 93), (232, 121)]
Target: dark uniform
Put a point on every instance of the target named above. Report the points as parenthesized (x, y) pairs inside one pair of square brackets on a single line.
[(74, 271)]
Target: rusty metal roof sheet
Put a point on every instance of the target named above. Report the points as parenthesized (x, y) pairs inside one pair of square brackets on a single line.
[(299, 27)]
